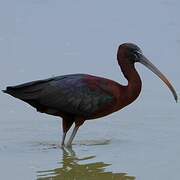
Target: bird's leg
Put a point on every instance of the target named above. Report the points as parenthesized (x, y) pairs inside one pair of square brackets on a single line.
[(69, 143), (63, 138), (67, 123), (78, 123)]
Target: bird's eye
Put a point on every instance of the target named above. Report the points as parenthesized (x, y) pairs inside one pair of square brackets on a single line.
[(135, 55)]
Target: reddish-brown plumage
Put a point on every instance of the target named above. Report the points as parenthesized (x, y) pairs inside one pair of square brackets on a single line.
[(80, 97), (121, 96)]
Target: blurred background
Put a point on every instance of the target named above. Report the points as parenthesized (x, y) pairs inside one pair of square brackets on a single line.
[(43, 38)]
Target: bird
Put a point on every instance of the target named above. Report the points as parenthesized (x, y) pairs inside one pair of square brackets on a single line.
[(80, 97)]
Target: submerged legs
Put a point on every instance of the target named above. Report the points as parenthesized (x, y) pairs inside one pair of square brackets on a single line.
[(69, 143), (67, 123), (78, 123), (63, 138)]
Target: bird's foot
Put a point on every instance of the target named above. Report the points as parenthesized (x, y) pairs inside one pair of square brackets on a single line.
[(62, 145), (68, 145)]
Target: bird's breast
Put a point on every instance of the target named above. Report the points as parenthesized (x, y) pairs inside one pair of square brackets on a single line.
[(113, 91)]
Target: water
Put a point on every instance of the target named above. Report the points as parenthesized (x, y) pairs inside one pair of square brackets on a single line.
[(73, 167), (39, 39)]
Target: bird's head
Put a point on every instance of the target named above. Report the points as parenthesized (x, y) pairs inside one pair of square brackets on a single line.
[(129, 53)]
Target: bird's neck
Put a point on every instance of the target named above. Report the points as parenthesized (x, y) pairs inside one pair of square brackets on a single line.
[(133, 89)]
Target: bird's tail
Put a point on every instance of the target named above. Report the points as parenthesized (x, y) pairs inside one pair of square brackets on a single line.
[(8, 90), (4, 91), (27, 91), (23, 92), (12, 91)]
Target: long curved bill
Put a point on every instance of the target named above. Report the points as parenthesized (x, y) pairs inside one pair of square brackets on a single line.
[(143, 60)]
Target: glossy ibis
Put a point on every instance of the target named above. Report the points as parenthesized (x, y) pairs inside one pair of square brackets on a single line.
[(80, 97)]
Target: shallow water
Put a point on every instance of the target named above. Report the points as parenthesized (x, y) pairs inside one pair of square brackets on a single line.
[(41, 38), (86, 167)]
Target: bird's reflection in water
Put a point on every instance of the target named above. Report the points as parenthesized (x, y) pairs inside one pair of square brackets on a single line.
[(74, 168)]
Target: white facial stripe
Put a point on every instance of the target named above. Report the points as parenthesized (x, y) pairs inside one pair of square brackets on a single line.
[(139, 52)]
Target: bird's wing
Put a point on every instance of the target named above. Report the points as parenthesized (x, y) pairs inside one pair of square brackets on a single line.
[(69, 94), (73, 95)]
